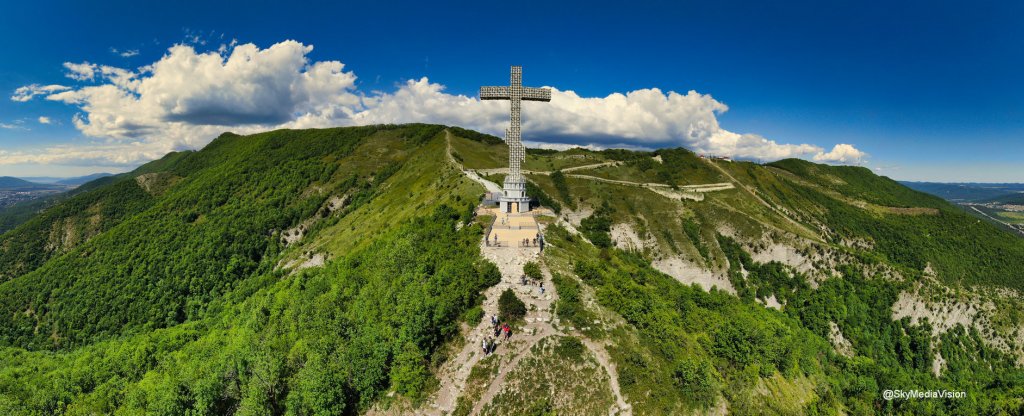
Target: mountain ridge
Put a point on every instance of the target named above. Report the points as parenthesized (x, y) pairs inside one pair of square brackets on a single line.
[(341, 270)]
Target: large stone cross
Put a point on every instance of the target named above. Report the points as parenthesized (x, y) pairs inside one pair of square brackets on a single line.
[(514, 198)]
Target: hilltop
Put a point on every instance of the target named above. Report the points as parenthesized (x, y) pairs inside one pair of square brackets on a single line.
[(343, 271), (12, 183)]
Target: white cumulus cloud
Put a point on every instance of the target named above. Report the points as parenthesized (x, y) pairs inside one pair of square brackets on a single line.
[(28, 92), (187, 97), (80, 72), (44, 120), (841, 153)]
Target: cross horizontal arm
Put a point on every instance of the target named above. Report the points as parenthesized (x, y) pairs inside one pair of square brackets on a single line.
[(505, 93), (495, 93), (536, 94)]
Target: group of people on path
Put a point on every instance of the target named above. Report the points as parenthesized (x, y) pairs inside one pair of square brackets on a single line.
[(489, 344), (525, 280), (527, 243)]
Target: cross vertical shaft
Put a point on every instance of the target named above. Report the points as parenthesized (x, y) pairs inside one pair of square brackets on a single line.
[(514, 136), (514, 197)]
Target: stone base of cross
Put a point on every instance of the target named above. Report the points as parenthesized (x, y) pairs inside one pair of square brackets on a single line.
[(514, 198)]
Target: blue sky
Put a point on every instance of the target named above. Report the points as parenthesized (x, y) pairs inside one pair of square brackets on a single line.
[(919, 90)]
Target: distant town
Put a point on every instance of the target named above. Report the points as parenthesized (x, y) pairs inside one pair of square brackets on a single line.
[(9, 197), (1010, 215), (15, 190)]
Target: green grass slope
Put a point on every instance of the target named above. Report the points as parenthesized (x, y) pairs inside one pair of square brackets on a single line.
[(847, 208)]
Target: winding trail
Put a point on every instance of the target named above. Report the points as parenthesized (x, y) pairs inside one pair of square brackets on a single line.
[(540, 322), (621, 407), (747, 189), (692, 192), (490, 186), (456, 371), (593, 166), (510, 260)]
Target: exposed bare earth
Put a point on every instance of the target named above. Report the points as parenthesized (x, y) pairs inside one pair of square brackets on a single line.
[(841, 344), (784, 254), (945, 309), (688, 273), (626, 238), (942, 317)]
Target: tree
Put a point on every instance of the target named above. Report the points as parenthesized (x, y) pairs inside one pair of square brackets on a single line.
[(510, 308)]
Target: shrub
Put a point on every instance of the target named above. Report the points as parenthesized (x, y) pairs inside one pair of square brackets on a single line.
[(598, 226), (474, 315), (532, 270), (569, 306), (570, 348), (510, 308), (409, 373), (696, 380)]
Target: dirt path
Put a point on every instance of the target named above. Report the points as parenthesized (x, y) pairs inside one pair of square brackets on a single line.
[(549, 172), (455, 372), (538, 324), (621, 407), (490, 186), (708, 187), (771, 207), (594, 166), (537, 328), (691, 192), (538, 317)]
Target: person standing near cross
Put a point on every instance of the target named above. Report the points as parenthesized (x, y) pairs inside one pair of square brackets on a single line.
[(514, 197)]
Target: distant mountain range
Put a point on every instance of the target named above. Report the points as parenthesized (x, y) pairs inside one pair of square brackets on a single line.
[(1014, 199), (10, 183), (73, 181), (968, 192)]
